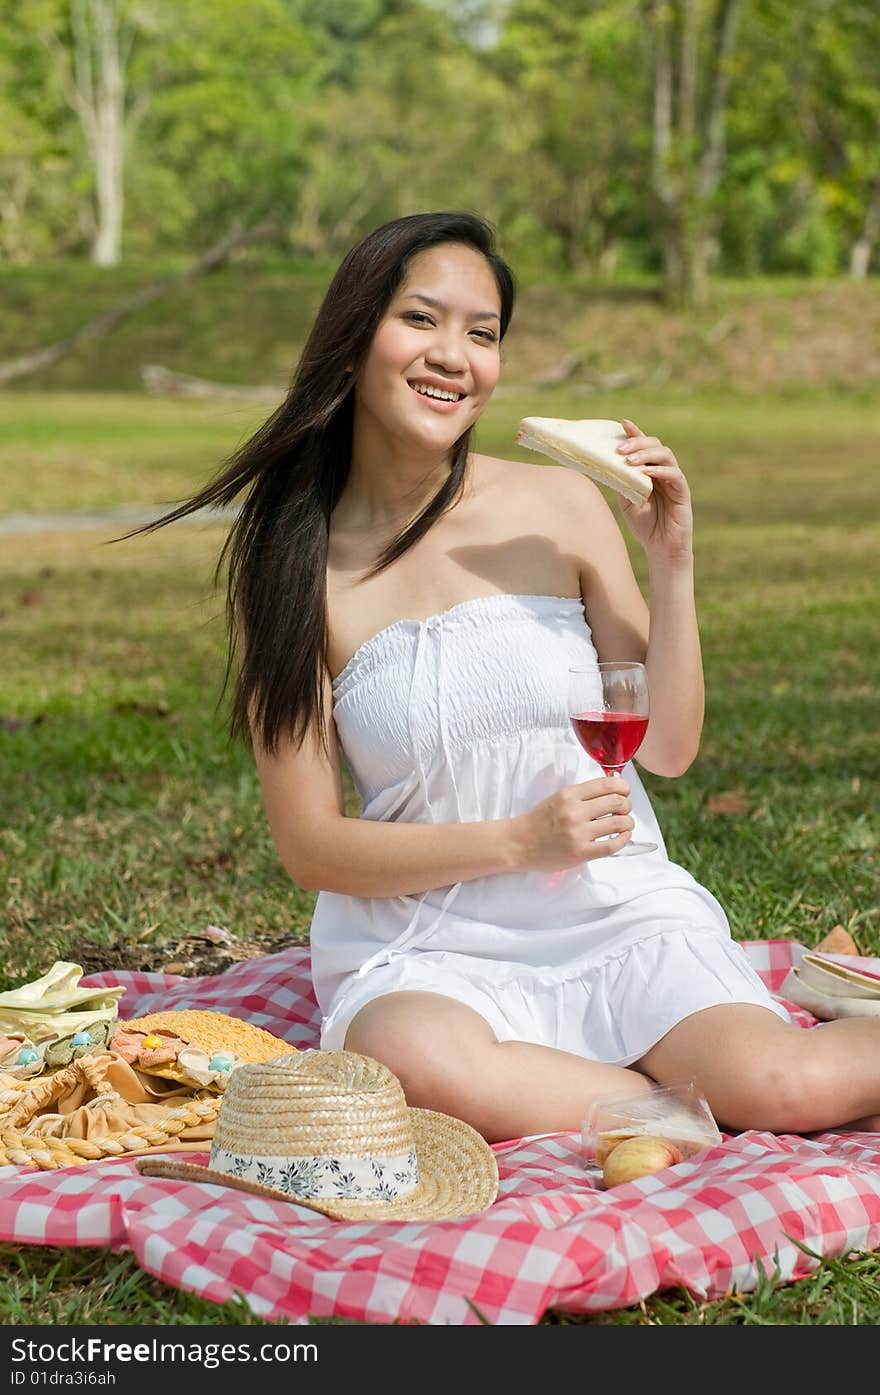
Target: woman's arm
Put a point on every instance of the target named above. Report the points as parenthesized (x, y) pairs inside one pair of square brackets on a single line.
[(675, 672), (667, 638), (664, 525), (323, 849)]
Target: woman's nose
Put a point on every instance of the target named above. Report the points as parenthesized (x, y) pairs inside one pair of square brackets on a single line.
[(446, 351)]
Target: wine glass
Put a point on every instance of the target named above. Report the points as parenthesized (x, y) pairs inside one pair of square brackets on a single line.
[(609, 705)]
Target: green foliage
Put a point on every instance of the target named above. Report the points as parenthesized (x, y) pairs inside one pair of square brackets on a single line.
[(330, 116), (227, 91), (804, 136), (580, 78), (40, 166)]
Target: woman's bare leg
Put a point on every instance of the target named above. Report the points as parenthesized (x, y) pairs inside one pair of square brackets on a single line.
[(758, 1072), (447, 1058)]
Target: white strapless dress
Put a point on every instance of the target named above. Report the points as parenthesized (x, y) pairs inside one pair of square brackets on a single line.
[(463, 717)]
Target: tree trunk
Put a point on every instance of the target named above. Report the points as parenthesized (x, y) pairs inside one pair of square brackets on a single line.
[(687, 249), (165, 382), (110, 153), (688, 153), (13, 202), (863, 247), (606, 262), (99, 101)]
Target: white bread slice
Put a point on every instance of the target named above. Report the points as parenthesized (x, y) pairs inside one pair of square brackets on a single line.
[(588, 445)]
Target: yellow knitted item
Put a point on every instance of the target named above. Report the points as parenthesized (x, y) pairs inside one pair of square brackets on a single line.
[(210, 1032)]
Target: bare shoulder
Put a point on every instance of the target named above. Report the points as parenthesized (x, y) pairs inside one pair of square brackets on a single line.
[(570, 508), (563, 496), (490, 472)]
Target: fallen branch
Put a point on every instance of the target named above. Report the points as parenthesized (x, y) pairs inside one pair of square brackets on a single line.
[(611, 382), (561, 372), (720, 330), (166, 383), (102, 324)]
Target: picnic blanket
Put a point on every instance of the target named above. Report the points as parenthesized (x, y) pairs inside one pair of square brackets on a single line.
[(553, 1239)]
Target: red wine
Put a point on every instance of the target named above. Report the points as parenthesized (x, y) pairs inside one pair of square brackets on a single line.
[(611, 738)]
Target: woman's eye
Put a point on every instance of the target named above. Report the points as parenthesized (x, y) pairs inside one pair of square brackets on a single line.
[(418, 318)]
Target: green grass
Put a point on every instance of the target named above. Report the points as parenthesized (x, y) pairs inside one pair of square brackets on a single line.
[(126, 806), (84, 1288), (77, 452), (754, 460), (188, 329), (247, 322), (126, 813), (840, 1292)]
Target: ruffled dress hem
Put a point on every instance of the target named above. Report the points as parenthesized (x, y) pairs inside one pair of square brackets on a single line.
[(612, 1011)]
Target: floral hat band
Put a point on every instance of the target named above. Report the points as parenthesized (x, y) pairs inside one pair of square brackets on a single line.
[(344, 1178), (331, 1131)]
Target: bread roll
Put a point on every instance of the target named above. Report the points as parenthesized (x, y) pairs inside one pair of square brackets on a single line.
[(590, 446)]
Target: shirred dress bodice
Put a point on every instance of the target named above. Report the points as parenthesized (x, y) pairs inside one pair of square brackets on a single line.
[(423, 700)]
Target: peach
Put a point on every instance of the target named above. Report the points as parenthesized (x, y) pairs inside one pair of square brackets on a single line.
[(637, 1157)]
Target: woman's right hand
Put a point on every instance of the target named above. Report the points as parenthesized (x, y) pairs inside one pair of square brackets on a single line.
[(573, 825)]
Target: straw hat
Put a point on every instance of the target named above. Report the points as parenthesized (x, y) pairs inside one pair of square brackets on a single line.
[(331, 1130)]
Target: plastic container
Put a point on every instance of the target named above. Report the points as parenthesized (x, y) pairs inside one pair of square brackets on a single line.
[(678, 1113)]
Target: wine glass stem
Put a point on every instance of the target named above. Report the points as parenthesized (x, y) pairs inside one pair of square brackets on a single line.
[(611, 770)]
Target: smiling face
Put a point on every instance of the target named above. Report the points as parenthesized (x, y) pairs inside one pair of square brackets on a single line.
[(434, 359)]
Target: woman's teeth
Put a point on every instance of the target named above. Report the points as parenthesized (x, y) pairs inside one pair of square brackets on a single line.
[(439, 393)]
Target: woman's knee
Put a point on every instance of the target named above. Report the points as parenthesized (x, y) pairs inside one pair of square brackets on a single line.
[(412, 1034), (790, 1091), (756, 1071)]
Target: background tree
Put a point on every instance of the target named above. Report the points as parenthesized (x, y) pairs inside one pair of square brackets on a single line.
[(802, 184), (413, 121), (102, 39), (578, 95), (837, 62), (602, 136), (41, 212), (692, 47), (224, 138)]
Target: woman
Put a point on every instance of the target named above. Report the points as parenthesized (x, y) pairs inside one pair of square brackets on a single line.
[(402, 598)]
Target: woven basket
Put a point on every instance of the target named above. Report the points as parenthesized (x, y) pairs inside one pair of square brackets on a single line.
[(28, 1132), (38, 1150)]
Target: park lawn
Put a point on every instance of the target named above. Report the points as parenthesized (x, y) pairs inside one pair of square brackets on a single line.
[(782, 459), (126, 813)]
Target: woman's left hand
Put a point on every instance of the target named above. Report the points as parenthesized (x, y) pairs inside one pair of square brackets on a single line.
[(664, 522)]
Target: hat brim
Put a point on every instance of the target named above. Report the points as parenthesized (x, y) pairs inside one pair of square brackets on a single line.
[(457, 1170)]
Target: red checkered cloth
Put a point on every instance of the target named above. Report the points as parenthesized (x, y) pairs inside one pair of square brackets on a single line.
[(553, 1239)]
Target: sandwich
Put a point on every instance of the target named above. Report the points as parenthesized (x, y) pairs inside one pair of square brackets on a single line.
[(590, 446)]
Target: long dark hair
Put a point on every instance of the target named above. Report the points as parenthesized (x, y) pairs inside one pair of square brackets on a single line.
[(296, 466)]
